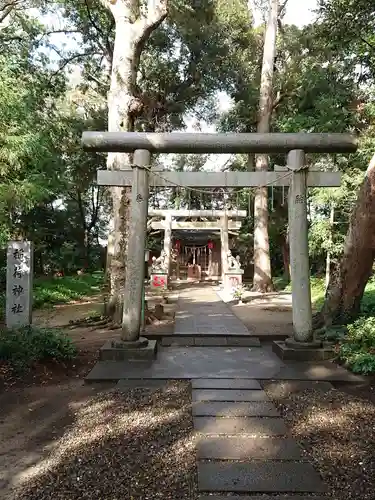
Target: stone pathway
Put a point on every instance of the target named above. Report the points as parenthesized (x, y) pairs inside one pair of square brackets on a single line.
[(243, 444), (209, 341), (203, 319)]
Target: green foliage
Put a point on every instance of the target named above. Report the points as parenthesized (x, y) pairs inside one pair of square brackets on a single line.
[(317, 292), (239, 291), (355, 342), (281, 284), (61, 290), (358, 348), (368, 300), (24, 347), (317, 289), (348, 28), (47, 182), (27, 142), (64, 289)]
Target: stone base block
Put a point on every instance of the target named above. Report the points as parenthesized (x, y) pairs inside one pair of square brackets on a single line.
[(159, 281), (194, 272), (295, 344), (232, 280), (120, 351), (285, 352), (210, 341)]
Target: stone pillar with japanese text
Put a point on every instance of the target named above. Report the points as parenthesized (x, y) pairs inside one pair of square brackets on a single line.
[(19, 287)]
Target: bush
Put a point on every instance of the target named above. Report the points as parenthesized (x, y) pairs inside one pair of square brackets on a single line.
[(358, 347), (60, 290), (368, 300), (25, 346)]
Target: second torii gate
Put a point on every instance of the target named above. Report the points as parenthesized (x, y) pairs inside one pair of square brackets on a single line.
[(221, 224), (140, 176)]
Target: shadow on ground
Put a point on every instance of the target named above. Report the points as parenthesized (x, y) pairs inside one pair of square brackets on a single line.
[(334, 428), (82, 442)]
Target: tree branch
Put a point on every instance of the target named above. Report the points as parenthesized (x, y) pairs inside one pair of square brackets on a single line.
[(38, 41), (100, 31), (282, 7), (5, 13), (97, 80), (69, 60), (157, 11), (372, 47)]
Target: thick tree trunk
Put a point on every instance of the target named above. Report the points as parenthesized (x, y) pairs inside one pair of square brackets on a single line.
[(262, 281), (286, 257), (132, 31), (119, 99), (348, 282), (328, 258)]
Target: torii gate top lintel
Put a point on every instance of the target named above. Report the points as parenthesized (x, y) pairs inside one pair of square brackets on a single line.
[(128, 142)]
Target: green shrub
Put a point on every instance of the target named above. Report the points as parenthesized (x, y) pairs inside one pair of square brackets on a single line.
[(25, 346), (64, 289), (368, 300), (358, 347)]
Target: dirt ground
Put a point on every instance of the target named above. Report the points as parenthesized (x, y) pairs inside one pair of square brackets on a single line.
[(335, 428), (90, 338), (39, 409), (266, 316), (73, 441)]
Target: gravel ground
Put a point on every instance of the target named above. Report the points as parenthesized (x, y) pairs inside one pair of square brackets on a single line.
[(336, 429), (134, 444)]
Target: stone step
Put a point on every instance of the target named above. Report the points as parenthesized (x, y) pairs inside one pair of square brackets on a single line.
[(263, 497), (210, 341), (223, 332), (259, 477), (247, 448), (230, 409), (229, 395), (296, 354), (112, 352), (241, 425), (225, 383), (142, 384)]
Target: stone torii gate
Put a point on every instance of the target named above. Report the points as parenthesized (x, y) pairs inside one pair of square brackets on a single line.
[(140, 175)]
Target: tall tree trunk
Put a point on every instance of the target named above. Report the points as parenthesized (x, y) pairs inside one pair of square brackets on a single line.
[(286, 256), (348, 282), (262, 281), (124, 103), (328, 258)]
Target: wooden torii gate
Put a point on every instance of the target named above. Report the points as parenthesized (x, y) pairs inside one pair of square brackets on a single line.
[(140, 176)]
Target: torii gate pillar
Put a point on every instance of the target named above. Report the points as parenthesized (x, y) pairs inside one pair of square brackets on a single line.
[(299, 249)]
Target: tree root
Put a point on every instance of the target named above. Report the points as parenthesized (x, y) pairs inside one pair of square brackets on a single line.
[(103, 322), (259, 288), (114, 326), (89, 321)]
